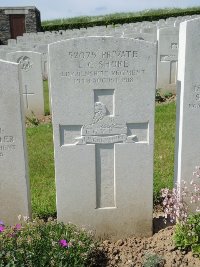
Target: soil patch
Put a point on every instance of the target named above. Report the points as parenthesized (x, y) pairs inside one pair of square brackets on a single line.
[(166, 100), (33, 121), (134, 251)]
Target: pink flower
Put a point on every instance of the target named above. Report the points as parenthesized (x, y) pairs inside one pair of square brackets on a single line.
[(18, 226), (2, 228), (12, 235), (63, 243), (70, 244)]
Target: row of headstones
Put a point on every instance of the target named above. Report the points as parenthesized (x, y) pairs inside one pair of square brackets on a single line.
[(103, 124), (164, 31), (33, 65)]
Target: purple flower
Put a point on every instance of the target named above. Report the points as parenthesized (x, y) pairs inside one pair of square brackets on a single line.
[(63, 243), (2, 223), (18, 226), (2, 228)]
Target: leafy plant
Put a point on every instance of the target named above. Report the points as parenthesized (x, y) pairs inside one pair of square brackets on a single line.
[(153, 260), (44, 244), (168, 95), (174, 201), (187, 231), (33, 119), (159, 98), (175, 208), (187, 235)]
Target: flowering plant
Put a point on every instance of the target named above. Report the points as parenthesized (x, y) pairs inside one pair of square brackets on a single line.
[(40, 243), (176, 207), (176, 201)]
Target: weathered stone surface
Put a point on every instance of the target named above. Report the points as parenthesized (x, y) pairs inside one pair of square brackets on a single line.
[(103, 92), (188, 109), (43, 49), (14, 180), (31, 68)]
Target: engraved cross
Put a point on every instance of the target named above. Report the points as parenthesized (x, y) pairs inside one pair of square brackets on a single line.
[(104, 132), (27, 94)]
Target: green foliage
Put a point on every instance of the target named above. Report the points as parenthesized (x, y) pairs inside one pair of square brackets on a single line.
[(33, 119), (187, 235), (45, 244), (153, 260), (41, 169), (117, 18), (165, 117), (168, 95), (46, 98), (159, 98), (162, 97)]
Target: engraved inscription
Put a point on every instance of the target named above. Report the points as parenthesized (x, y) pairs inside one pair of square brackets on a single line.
[(25, 63), (102, 125), (104, 128), (103, 67), (103, 139), (7, 142), (104, 54), (196, 97)]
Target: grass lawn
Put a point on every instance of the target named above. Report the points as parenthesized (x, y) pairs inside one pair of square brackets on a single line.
[(41, 169), (46, 98), (165, 121), (41, 162)]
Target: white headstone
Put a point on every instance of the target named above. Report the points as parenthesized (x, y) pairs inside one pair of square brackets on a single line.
[(43, 49), (12, 42), (14, 180), (141, 36), (188, 110), (167, 58), (32, 84), (103, 91)]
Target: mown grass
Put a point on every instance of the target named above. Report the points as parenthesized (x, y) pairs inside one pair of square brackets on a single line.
[(41, 169), (165, 118), (41, 160), (46, 98), (85, 19)]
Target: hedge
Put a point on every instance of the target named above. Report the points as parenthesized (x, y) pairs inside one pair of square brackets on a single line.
[(114, 21)]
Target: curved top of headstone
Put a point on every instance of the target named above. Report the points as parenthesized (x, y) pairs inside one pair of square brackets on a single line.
[(102, 38)]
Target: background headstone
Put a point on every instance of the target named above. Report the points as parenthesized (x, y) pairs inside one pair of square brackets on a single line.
[(188, 110), (103, 92), (14, 180), (167, 59), (32, 83)]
